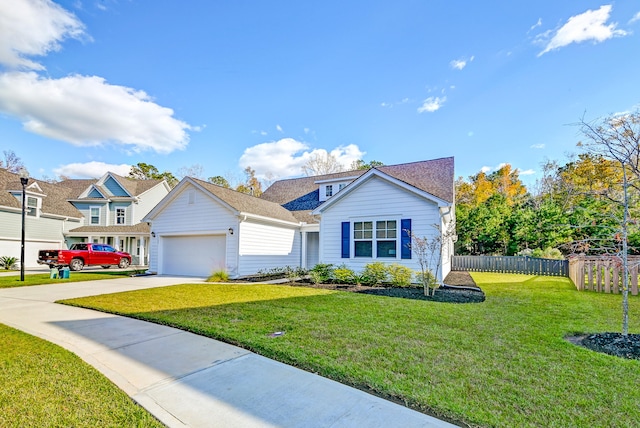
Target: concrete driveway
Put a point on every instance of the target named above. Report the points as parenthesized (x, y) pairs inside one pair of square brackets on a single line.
[(187, 380)]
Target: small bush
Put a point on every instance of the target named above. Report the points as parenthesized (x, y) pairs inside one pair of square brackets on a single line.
[(374, 273), (344, 275), (7, 262), (547, 253), (321, 273), (399, 275), (219, 276)]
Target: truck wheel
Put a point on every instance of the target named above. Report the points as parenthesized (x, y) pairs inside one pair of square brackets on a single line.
[(76, 264), (124, 263)]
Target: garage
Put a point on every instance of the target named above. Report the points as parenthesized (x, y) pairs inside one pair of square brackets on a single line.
[(194, 255)]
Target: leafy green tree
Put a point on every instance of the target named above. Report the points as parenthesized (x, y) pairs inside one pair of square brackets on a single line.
[(220, 181), (144, 171)]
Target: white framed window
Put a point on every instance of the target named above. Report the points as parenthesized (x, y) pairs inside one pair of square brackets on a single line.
[(328, 191), (32, 206), (375, 239), (341, 186), (363, 238), (386, 238), (94, 215), (120, 215)]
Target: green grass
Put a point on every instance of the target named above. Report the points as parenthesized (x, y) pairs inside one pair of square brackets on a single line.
[(7, 281), (500, 363), (45, 385)]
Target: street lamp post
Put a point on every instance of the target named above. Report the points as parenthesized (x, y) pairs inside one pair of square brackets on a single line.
[(24, 179)]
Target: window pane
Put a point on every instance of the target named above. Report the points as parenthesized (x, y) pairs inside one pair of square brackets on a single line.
[(386, 249), (391, 224), (368, 225), (381, 225), (368, 234), (357, 234), (357, 225), (363, 249)]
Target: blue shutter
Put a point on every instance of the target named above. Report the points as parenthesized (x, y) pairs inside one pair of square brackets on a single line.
[(405, 238), (345, 240)]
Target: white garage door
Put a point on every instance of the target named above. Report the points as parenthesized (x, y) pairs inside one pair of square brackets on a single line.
[(193, 255)]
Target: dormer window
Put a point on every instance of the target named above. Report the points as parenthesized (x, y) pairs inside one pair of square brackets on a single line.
[(33, 206), (341, 186), (329, 191)]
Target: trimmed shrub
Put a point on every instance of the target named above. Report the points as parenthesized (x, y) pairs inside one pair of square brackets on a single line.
[(342, 274), (321, 273), (374, 273), (399, 275)]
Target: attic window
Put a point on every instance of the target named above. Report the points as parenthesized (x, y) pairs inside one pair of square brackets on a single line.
[(32, 206), (329, 191)]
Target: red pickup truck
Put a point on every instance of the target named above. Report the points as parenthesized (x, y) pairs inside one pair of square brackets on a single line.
[(85, 254)]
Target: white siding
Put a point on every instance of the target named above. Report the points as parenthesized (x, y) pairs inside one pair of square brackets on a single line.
[(375, 199), (203, 217), (148, 200), (264, 246)]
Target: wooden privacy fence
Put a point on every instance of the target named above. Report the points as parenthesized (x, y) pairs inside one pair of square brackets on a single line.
[(511, 264), (603, 274)]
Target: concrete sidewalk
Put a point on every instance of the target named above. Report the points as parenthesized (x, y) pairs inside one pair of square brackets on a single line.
[(189, 380)]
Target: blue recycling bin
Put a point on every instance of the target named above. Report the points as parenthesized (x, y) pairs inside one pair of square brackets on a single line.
[(53, 273), (64, 273)]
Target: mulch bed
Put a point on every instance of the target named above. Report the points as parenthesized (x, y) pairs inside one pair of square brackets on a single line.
[(615, 344), (459, 288)]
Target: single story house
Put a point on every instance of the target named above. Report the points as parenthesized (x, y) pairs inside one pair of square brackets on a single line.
[(105, 210), (352, 218)]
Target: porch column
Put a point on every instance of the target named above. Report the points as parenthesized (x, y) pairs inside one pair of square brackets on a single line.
[(143, 244)]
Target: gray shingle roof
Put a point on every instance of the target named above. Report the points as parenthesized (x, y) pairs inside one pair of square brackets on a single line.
[(432, 176), (242, 202), (55, 202)]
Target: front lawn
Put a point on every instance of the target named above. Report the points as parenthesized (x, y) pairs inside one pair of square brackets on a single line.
[(503, 362), (45, 385), (7, 281)]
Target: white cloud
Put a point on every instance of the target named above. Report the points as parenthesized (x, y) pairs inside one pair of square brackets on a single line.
[(590, 25), (486, 169), (461, 63), (537, 146), (527, 172), (285, 158), (87, 111), (537, 24), (635, 18), (33, 28), (432, 104), (279, 128), (91, 170)]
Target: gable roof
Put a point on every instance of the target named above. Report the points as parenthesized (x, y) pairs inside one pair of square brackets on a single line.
[(301, 194), (434, 177), (81, 188), (241, 203), (54, 201)]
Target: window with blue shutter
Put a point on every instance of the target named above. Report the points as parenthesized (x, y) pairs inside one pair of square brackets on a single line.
[(345, 239), (405, 238)]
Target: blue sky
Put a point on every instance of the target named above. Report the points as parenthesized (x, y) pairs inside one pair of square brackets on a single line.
[(215, 86)]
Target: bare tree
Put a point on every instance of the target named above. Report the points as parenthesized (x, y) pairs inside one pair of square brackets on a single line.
[(617, 138), (196, 171), (322, 163), (428, 252), (12, 162)]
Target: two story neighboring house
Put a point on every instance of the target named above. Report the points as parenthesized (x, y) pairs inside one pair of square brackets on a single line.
[(112, 209), (106, 210), (351, 218)]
